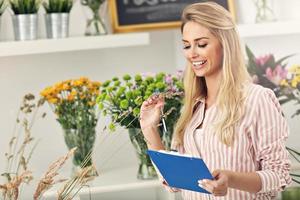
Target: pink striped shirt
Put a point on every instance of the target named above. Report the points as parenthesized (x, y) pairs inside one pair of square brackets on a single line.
[(258, 146)]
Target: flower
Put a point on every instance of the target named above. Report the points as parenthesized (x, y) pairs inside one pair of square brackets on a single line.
[(122, 98), (283, 80), (74, 103), (276, 75)]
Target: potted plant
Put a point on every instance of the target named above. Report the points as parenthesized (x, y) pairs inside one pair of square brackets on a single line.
[(121, 99), (25, 18), (57, 17)]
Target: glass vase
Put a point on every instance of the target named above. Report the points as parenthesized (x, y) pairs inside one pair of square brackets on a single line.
[(95, 24), (83, 138), (146, 169), (264, 11)]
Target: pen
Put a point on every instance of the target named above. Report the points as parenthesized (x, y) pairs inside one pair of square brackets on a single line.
[(162, 115)]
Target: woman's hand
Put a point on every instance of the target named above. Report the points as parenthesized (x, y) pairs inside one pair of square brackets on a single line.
[(149, 120), (151, 111), (218, 186)]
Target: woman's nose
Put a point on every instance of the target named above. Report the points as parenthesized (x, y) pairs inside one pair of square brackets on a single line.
[(193, 53)]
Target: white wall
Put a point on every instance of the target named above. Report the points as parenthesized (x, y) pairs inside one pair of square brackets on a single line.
[(22, 74)]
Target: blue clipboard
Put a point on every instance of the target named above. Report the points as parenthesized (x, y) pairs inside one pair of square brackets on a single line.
[(181, 171)]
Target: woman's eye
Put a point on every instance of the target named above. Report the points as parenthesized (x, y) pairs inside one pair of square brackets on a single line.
[(202, 45), (186, 46)]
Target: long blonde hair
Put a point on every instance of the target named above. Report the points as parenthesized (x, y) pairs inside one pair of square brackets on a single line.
[(230, 99)]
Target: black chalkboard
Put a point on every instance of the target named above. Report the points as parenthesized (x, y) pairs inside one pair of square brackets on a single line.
[(137, 15)]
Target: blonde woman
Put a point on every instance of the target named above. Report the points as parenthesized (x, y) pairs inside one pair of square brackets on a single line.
[(236, 127)]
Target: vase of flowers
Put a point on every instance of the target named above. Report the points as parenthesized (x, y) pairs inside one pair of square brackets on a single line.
[(25, 18), (264, 11), (57, 17), (146, 169), (74, 103), (122, 99), (95, 24)]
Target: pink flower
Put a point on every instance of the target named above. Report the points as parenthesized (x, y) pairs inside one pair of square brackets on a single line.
[(147, 74), (276, 75), (179, 74), (169, 79), (262, 60)]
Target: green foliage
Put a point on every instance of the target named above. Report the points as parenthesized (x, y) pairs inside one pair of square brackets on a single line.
[(24, 6), (122, 98), (58, 6), (3, 6), (93, 4)]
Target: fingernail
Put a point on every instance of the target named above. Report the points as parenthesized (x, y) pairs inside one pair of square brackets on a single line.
[(200, 182), (204, 181), (200, 185)]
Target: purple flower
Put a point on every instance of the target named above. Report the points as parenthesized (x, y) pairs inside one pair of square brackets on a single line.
[(262, 60), (179, 74), (276, 75), (169, 79)]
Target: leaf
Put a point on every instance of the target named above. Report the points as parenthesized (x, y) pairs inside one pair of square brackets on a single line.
[(284, 58)]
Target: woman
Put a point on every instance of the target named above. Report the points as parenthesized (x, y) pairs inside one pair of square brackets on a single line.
[(236, 127)]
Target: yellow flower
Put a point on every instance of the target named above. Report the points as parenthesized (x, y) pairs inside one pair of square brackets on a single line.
[(84, 80), (295, 81), (91, 103), (77, 83), (53, 100), (96, 84), (74, 93), (295, 69), (284, 83), (66, 86), (70, 97), (45, 92)]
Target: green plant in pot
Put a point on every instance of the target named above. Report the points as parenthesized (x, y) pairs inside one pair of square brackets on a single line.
[(57, 17), (121, 99), (25, 18)]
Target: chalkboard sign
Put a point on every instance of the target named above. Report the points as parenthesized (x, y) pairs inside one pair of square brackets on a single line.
[(140, 15)]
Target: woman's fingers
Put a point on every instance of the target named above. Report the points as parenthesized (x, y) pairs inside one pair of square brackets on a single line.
[(208, 185)]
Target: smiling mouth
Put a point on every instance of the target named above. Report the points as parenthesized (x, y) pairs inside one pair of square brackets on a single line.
[(199, 64)]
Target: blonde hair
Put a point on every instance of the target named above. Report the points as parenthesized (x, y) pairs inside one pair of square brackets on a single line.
[(230, 99)]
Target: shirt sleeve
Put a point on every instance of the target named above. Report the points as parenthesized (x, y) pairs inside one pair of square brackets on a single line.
[(271, 131)]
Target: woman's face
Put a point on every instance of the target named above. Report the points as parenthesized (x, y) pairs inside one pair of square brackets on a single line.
[(202, 49)]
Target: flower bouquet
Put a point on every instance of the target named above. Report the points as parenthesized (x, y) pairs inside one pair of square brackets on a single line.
[(74, 103), (276, 75), (122, 99), (285, 82)]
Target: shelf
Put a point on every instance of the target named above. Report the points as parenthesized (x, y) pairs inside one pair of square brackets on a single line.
[(16, 48), (114, 181), (269, 29)]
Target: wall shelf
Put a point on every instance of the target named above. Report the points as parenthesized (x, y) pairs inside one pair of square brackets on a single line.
[(42, 46), (269, 29)]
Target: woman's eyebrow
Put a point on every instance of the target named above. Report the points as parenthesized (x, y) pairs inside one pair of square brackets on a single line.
[(197, 39)]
